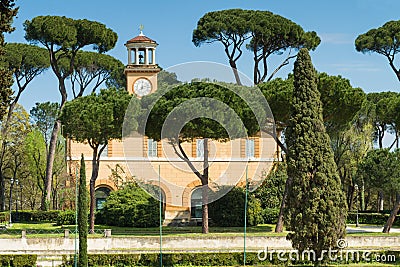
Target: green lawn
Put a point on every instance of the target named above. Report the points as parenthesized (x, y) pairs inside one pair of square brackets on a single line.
[(50, 230)]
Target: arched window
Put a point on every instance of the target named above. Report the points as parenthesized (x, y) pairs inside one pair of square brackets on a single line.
[(101, 195), (196, 203)]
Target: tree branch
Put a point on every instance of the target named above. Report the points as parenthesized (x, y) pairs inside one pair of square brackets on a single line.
[(284, 63), (185, 158)]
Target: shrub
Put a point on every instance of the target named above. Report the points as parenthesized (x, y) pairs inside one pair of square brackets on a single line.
[(270, 192), (270, 215), (229, 209), (130, 206), (4, 216), (66, 217), (148, 214), (254, 211)]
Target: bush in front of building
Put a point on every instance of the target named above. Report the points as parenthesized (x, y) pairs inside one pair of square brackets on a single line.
[(66, 217), (129, 207), (270, 192), (270, 215), (229, 209)]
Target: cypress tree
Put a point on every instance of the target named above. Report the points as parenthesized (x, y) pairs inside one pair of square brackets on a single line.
[(7, 13), (82, 216), (316, 207)]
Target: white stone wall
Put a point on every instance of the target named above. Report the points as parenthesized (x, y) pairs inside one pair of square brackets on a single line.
[(61, 246)]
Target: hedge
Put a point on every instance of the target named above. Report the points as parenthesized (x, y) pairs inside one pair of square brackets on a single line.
[(371, 218), (212, 259), (271, 215), (59, 217), (18, 260), (169, 259), (66, 217), (32, 215)]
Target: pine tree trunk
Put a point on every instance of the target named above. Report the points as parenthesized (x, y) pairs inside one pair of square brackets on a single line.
[(204, 190), (235, 72), (204, 215), (350, 197), (362, 197), (49, 166), (392, 216), (380, 139), (2, 178), (92, 206), (53, 145), (380, 202), (279, 223), (95, 173)]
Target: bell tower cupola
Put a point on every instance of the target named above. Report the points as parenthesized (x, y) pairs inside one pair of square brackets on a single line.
[(141, 71)]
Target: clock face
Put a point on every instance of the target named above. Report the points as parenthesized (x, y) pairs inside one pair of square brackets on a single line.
[(142, 87)]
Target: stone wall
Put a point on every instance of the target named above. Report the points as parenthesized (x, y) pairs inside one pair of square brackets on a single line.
[(60, 246)]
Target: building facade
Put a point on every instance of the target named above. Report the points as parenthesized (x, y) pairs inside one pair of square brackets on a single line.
[(144, 159)]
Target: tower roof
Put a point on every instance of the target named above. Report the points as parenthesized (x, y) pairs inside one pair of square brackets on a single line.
[(141, 38)]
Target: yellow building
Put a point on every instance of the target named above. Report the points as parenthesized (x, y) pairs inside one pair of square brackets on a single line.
[(146, 159)]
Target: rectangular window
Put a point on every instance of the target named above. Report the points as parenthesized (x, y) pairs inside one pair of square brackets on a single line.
[(150, 55), (250, 148), (200, 148), (151, 148)]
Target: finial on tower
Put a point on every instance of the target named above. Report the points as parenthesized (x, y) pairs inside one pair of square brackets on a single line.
[(141, 27)]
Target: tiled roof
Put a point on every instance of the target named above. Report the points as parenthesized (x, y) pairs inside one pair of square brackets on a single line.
[(141, 39)]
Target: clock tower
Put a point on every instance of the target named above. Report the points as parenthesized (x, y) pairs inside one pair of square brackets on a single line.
[(141, 71)]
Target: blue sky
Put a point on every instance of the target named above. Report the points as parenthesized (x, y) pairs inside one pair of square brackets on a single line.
[(171, 23)]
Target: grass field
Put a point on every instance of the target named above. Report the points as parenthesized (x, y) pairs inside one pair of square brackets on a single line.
[(50, 230)]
